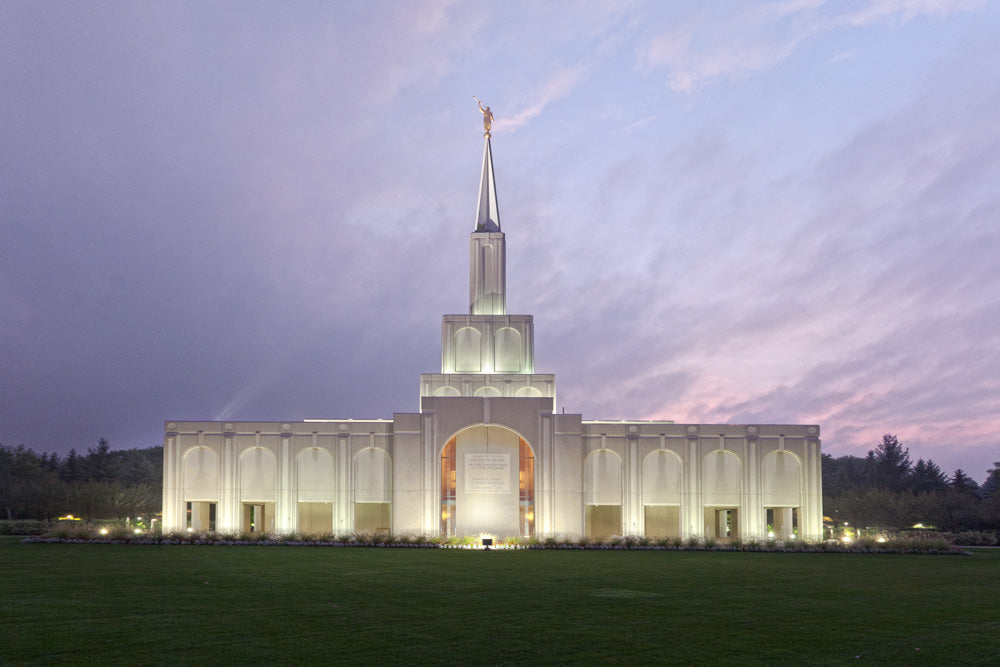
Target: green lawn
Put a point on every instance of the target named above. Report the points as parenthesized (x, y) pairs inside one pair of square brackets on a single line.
[(107, 604)]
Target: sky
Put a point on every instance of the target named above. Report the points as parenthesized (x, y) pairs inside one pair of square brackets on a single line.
[(725, 212)]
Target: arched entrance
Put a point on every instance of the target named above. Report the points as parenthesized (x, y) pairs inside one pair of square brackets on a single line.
[(200, 475), (781, 494), (487, 484), (721, 484)]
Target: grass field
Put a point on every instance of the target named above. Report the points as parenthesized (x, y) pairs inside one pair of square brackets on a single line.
[(107, 604)]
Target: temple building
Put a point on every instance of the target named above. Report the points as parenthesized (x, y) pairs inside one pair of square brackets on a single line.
[(488, 455)]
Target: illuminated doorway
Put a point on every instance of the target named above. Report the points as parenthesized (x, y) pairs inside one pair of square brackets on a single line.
[(201, 516), (480, 483), (722, 523), (258, 518), (782, 522), (449, 482), (526, 489)]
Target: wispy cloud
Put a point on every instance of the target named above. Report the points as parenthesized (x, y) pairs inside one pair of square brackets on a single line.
[(261, 215), (714, 46), (559, 84), (901, 11)]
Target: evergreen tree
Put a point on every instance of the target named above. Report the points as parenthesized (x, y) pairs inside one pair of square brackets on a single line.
[(72, 468), (992, 482), (927, 477), (26, 488), (843, 473), (963, 483), (100, 462), (890, 464)]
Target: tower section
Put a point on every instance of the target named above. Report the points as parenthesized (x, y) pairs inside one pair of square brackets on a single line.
[(488, 248), (487, 274), (487, 353)]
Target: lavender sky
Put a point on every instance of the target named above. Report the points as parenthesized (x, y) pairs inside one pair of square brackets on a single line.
[(783, 212)]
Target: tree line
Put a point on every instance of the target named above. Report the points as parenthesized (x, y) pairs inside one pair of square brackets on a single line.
[(888, 490), (103, 484)]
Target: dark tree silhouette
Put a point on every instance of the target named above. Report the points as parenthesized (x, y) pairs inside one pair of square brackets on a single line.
[(992, 483), (927, 477), (890, 464), (963, 483)]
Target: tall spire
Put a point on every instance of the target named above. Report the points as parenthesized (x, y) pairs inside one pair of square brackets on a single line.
[(488, 265), (488, 219)]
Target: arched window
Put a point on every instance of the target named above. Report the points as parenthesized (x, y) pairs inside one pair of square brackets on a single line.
[(602, 488), (507, 351), (372, 491), (315, 490), (468, 350), (258, 490), (662, 477)]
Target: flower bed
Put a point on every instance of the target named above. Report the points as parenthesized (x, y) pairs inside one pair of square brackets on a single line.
[(894, 545)]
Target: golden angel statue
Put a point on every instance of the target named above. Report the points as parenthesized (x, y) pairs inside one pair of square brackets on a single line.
[(487, 117)]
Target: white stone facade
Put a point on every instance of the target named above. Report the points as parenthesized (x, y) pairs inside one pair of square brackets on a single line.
[(487, 454)]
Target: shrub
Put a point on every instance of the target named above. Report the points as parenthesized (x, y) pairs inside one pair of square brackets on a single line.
[(23, 527), (81, 533), (975, 538), (61, 532), (120, 533)]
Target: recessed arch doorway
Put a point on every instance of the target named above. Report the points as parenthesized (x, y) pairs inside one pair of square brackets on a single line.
[(487, 476)]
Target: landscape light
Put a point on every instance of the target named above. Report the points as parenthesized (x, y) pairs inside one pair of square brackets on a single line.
[(104, 531), (136, 531)]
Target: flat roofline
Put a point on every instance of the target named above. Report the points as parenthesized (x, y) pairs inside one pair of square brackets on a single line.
[(629, 421), (313, 421)]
